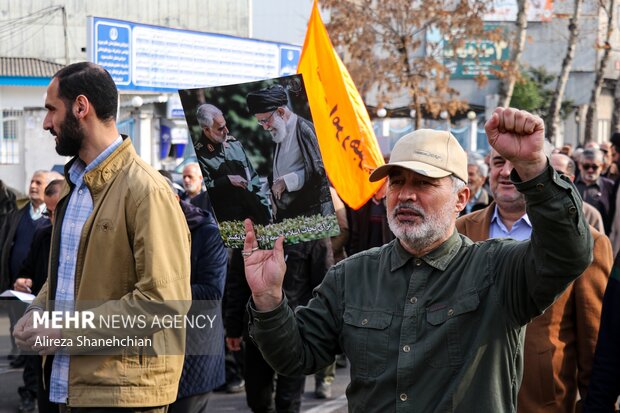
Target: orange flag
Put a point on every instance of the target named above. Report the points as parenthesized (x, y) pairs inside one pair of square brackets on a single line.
[(348, 144)]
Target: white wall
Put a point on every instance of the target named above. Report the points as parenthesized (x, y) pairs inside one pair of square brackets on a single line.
[(291, 16), (19, 97), (37, 151)]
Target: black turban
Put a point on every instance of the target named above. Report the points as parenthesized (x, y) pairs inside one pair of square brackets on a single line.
[(266, 100)]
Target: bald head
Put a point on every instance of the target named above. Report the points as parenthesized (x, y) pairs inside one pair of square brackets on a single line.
[(563, 164)]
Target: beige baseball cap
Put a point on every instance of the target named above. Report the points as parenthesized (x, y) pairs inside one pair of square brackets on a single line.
[(429, 152)]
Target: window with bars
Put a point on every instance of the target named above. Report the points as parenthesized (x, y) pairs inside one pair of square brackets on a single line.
[(9, 140)]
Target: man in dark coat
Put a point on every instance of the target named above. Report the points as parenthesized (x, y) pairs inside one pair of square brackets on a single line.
[(16, 236), (203, 369), (18, 231), (7, 201), (369, 225), (604, 387), (298, 184), (307, 263), (31, 278), (595, 189)]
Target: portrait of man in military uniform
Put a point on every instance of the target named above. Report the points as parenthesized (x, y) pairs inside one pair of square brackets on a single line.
[(233, 185)]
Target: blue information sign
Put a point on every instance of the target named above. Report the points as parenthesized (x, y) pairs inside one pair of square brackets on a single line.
[(153, 58), (112, 50)]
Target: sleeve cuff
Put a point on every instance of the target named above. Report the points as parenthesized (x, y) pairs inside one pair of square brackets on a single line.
[(543, 187), (268, 319), (291, 180)]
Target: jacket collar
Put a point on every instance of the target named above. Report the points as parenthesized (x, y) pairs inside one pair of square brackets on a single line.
[(439, 258), (106, 170)]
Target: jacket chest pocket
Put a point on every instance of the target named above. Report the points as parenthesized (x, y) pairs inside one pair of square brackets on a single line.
[(366, 341), (447, 328)]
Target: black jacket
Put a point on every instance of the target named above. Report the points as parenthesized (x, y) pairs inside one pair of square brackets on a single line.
[(204, 372), (7, 236), (35, 266), (359, 229), (306, 266)]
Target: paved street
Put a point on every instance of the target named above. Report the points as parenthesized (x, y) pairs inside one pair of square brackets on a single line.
[(10, 380)]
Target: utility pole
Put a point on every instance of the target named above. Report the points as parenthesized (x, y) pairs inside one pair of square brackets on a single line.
[(64, 26)]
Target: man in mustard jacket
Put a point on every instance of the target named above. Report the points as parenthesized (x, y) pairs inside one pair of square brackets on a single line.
[(559, 344), (120, 239)]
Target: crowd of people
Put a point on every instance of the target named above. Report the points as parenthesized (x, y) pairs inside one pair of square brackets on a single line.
[(465, 283)]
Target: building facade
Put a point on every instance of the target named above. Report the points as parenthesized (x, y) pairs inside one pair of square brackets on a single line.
[(56, 35)]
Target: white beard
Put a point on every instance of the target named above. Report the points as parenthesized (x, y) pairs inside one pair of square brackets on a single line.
[(432, 228), (278, 129)]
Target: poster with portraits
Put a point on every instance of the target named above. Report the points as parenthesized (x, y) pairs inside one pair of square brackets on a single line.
[(260, 159)]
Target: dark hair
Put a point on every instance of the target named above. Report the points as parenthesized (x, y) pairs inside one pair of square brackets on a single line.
[(166, 174), (53, 187), (92, 81)]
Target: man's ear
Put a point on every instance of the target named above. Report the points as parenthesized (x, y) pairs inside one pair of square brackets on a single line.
[(81, 107), (462, 197)]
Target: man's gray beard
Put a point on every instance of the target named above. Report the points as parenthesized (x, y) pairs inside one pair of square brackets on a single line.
[(280, 129), (432, 228), (190, 188)]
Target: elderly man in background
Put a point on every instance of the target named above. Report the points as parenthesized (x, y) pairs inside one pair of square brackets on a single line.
[(565, 165), (32, 276), (595, 189), (477, 172), (559, 345), (192, 181), (19, 229), (16, 236)]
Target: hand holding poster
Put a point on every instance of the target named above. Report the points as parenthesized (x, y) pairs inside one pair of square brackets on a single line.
[(258, 152)]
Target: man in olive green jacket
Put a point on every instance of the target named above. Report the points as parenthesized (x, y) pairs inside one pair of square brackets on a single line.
[(120, 239), (431, 322)]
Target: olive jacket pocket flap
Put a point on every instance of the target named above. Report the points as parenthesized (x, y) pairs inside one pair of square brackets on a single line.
[(367, 319), (439, 313)]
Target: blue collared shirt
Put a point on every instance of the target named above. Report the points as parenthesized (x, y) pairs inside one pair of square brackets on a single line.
[(79, 208), (521, 229)]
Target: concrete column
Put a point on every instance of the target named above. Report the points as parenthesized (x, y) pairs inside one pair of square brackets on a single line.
[(142, 140)]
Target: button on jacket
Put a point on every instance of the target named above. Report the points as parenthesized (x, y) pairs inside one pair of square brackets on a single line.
[(438, 333)]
